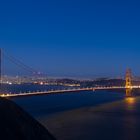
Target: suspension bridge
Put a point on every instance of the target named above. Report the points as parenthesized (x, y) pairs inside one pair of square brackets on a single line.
[(128, 86)]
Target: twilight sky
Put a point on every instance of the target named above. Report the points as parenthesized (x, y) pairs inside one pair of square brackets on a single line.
[(78, 38)]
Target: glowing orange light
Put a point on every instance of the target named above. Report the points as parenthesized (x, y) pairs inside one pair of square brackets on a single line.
[(130, 100)]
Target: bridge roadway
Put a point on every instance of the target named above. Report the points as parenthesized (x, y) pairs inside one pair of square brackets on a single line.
[(65, 91)]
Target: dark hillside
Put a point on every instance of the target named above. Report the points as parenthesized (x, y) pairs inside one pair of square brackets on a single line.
[(16, 124)]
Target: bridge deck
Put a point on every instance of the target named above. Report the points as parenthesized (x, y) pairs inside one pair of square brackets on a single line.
[(64, 91)]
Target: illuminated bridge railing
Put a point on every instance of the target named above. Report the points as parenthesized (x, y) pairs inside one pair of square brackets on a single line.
[(66, 90)]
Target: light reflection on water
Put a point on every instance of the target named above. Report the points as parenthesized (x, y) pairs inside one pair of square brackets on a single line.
[(130, 100), (130, 103), (130, 118)]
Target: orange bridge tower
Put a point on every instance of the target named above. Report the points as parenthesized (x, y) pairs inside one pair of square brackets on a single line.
[(128, 84)]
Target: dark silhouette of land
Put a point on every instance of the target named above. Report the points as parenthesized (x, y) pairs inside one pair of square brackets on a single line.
[(16, 124)]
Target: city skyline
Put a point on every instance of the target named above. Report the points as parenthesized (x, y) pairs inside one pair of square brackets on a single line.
[(72, 38)]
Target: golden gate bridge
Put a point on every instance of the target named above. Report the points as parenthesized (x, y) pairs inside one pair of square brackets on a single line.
[(128, 84)]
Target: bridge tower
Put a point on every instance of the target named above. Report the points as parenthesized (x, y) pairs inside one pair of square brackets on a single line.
[(128, 84)]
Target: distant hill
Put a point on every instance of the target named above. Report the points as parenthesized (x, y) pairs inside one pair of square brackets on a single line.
[(16, 124)]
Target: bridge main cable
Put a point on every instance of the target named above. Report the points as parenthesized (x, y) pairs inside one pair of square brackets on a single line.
[(18, 63)]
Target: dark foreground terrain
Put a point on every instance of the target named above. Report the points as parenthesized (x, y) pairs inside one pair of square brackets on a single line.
[(16, 124)]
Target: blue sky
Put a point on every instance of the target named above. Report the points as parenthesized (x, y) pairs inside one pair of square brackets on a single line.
[(78, 38)]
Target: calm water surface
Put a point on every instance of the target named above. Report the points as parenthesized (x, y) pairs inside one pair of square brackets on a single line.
[(115, 121), (54, 103)]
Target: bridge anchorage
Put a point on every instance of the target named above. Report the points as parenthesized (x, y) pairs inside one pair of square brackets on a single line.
[(128, 84)]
